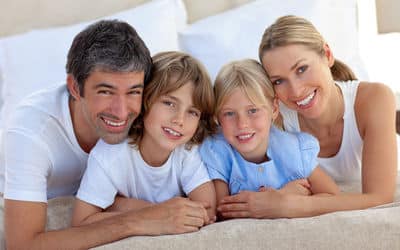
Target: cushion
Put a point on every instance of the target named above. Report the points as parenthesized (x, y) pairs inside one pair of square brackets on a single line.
[(37, 59), (236, 33)]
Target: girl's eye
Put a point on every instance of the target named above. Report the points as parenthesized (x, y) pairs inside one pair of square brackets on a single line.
[(228, 114), (302, 69), (252, 110)]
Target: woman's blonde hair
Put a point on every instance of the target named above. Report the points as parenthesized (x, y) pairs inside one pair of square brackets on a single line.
[(249, 76), (171, 70), (289, 30)]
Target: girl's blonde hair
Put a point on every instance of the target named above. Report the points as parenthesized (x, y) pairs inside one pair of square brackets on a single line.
[(171, 70), (249, 76), (289, 30)]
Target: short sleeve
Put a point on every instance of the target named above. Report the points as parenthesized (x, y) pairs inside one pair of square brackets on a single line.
[(96, 186), (215, 153), (309, 149), (194, 172), (26, 167)]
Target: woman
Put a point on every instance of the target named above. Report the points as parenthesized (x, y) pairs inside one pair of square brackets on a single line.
[(353, 121)]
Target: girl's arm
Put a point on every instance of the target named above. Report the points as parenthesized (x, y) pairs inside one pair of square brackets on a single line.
[(205, 194), (321, 183)]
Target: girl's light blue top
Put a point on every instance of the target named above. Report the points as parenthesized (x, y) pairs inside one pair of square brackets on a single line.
[(292, 156)]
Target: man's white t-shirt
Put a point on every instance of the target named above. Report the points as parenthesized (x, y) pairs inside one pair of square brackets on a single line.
[(41, 158), (120, 169)]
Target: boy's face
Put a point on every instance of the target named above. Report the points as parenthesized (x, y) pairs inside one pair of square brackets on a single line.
[(246, 126), (171, 121), (111, 102)]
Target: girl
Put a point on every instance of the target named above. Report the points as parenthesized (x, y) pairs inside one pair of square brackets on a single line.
[(353, 121), (251, 154), (160, 160)]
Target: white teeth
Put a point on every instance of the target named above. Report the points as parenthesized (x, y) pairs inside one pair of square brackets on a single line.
[(244, 137), (306, 100), (172, 132), (114, 124)]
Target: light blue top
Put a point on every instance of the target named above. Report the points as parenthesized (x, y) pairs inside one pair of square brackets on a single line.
[(292, 156)]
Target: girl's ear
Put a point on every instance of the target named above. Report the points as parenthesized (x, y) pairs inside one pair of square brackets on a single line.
[(73, 88), (275, 108), (329, 55)]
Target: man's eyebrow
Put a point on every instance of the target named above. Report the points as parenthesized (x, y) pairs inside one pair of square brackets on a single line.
[(111, 86)]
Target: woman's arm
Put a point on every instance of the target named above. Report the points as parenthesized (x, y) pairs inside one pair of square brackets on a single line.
[(321, 183)]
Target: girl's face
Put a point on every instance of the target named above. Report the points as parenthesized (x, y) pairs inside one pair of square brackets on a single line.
[(171, 121), (301, 77), (246, 126)]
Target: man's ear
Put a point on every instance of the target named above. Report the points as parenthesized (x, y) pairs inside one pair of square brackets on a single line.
[(329, 55), (73, 87)]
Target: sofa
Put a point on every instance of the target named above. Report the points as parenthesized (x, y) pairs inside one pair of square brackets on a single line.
[(33, 54)]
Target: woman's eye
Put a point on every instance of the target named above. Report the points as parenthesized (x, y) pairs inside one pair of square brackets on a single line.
[(278, 82), (302, 69)]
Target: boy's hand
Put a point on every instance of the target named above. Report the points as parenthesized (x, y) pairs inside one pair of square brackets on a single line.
[(299, 187)]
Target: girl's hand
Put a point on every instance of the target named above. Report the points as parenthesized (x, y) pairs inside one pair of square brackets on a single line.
[(247, 204), (299, 187)]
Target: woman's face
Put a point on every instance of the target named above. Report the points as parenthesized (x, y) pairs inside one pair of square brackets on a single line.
[(301, 77)]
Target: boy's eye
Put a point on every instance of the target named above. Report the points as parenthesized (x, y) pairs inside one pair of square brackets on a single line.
[(169, 103), (195, 113)]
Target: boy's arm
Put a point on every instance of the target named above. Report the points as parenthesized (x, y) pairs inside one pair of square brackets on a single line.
[(321, 183), (205, 193), (123, 204)]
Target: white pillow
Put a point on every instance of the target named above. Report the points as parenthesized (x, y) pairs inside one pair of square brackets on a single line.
[(236, 34), (37, 59)]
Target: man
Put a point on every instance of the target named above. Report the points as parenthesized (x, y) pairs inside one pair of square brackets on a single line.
[(51, 133)]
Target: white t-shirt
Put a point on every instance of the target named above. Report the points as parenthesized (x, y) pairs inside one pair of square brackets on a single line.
[(41, 158), (120, 169)]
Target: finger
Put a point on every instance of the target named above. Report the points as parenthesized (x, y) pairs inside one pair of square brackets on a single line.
[(193, 221), (304, 182), (241, 214), (237, 198), (233, 207)]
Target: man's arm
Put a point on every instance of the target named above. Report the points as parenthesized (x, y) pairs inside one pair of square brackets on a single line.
[(25, 224)]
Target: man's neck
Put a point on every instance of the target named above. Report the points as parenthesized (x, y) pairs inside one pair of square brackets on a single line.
[(83, 131)]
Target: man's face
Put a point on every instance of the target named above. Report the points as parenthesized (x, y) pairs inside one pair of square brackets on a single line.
[(111, 102)]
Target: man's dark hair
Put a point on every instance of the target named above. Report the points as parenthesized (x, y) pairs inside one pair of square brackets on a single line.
[(109, 46)]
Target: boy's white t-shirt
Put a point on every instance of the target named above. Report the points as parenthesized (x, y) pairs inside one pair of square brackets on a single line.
[(120, 169), (41, 157)]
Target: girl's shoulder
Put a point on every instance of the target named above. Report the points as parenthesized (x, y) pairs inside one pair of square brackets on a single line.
[(292, 140), (106, 152)]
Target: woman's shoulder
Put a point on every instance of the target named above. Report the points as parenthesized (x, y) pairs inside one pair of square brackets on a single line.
[(373, 98)]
